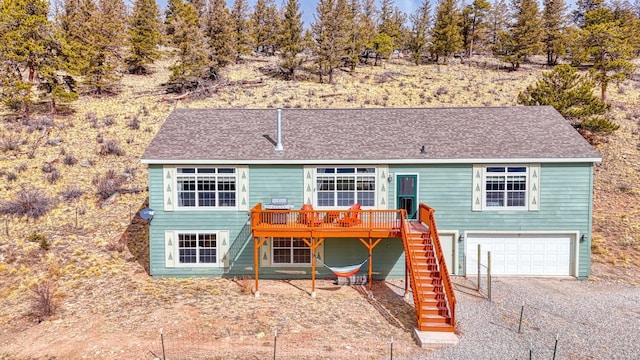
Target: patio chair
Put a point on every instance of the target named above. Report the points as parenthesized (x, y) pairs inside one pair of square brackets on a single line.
[(352, 216)]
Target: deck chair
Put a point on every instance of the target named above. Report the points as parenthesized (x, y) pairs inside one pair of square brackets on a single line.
[(352, 216), (307, 216)]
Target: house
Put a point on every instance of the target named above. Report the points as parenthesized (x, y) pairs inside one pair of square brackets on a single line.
[(227, 186)]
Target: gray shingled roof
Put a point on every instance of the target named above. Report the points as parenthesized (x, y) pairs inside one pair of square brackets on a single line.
[(360, 135)]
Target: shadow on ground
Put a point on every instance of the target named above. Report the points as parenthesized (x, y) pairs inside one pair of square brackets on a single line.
[(136, 238)]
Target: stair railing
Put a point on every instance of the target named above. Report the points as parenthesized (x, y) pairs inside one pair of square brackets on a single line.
[(426, 216), (409, 262), (238, 244)]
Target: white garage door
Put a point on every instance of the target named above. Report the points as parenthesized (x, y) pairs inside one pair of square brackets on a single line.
[(521, 254)]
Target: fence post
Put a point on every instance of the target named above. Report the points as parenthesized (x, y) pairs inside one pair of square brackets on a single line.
[(489, 274), (521, 312), (275, 341), (164, 357), (479, 260)]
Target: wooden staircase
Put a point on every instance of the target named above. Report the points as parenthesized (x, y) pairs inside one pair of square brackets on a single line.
[(434, 302)]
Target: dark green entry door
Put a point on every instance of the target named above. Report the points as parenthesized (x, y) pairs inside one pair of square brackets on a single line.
[(407, 194)]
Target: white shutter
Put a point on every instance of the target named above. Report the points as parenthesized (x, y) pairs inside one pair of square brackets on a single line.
[(534, 187), (170, 247), (168, 183), (223, 247), (308, 184), (383, 187), (243, 187), (265, 253), (476, 193)]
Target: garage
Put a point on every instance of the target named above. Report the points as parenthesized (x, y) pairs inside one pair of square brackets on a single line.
[(522, 253)]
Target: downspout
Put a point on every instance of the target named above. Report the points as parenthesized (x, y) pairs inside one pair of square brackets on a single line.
[(279, 131)]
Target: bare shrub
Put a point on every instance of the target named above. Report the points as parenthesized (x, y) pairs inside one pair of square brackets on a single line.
[(39, 123), (69, 160), (71, 193), (134, 124), (109, 120), (246, 284), (111, 147), (32, 203), (44, 299), (10, 143), (40, 239), (22, 167), (47, 168), (441, 91), (53, 176), (12, 177), (92, 118), (108, 184)]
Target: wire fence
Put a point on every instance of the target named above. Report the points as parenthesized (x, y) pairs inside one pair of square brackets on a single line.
[(480, 274)]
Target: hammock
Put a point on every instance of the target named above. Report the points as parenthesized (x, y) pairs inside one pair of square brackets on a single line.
[(343, 271)]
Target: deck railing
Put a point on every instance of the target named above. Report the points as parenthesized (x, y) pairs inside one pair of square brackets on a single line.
[(426, 216), (339, 220)]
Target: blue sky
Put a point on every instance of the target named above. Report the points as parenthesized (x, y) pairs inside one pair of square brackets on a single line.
[(308, 7)]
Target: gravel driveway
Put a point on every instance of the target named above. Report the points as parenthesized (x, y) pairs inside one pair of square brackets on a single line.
[(592, 320)]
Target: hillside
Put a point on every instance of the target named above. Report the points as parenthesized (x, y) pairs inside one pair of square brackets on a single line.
[(97, 256)]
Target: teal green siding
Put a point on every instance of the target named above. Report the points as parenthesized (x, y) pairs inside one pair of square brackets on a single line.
[(565, 205)]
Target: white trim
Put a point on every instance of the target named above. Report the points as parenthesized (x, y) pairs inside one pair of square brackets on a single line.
[(308, 183), (369, 161), (235, 175), (169, 249), (456, 262), (505, 174), (355, 174), (382, 196), (477, 194), (242, 190), (575, 245), (224, 246), (220, 251), (533, 187), (168, 188)]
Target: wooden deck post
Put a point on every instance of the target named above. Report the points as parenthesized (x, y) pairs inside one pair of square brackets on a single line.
[(370, 245), (256, 260), (313, 267)]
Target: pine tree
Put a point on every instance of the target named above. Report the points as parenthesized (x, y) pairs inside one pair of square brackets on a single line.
[(220, 35), (240, 15), (193, 64), (474, 16), (604, 44), (367, 28), (524, 37), (328, 32), (265, 26), (446, 37), (420, 22), (498, 21), (391, 22), (27, 43), (291, 38), (382, 44), (144, 36), (554, 25), (572, 95)]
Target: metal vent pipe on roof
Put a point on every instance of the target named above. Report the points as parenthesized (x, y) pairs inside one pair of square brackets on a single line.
[(279, 134)]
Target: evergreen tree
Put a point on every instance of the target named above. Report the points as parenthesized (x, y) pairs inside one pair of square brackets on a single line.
[(27, 43), (554, 24), (474, 16), (265, 26), (192, 65), (572, 95), (382, 44), (291, 38), (604, 44), (524, 37), (367, 28), (354, 35), (392, 22), (220, 35), (329, 35), (420, 22), (446, 37), (240, 15), (498, 21), (144, 35)]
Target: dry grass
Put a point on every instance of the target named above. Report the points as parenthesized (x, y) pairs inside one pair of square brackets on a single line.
[(94, 251)]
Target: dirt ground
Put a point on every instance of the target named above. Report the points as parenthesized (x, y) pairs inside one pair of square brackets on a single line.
[(340, 322)]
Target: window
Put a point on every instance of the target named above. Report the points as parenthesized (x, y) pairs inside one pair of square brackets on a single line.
[(206, 187), (344, 186), (197, 248), (505, 187), (290, 251)]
